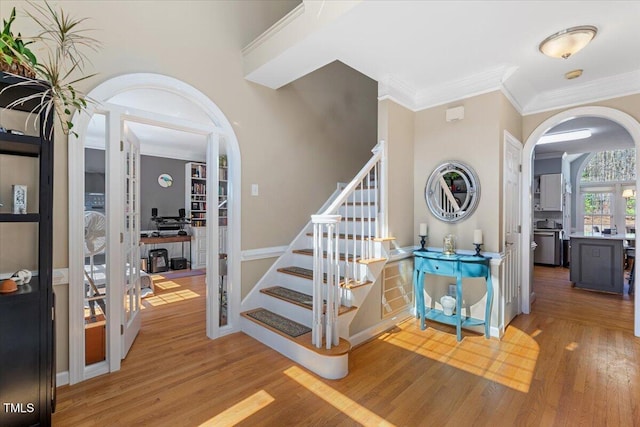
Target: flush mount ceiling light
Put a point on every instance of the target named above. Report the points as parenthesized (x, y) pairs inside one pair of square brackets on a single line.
[(565, 136), (574, 74), (567, 42)]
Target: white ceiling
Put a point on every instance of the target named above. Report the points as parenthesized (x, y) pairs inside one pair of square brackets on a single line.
[(428, 53)]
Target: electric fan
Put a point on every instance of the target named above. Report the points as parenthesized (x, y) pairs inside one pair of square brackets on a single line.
[(95, 241)]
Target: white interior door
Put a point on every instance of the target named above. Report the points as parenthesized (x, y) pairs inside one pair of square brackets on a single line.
[(512, 227), (131, 293)]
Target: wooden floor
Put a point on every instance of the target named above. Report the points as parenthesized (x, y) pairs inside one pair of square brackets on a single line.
[(574, 361)]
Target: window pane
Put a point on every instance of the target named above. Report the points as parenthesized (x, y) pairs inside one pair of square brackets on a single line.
[(614, 165), (597, 211), (630, 214)]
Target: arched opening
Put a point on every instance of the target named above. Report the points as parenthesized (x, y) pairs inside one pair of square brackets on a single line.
[(628, 123), (153, 101)]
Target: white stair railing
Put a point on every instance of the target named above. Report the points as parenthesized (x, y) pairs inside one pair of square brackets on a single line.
[(359, 206)]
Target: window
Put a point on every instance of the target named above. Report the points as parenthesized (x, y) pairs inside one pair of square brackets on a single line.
[(597, 211), (604, 178)]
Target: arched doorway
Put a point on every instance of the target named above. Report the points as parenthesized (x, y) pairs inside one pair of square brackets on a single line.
[(160, 101), (629, 123)]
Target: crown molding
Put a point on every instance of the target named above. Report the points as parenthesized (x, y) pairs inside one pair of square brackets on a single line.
[(274, 29), (455, 90), (397, 91), (596, 90)]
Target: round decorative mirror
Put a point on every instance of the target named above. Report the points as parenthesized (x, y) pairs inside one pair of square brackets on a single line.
[(452, 191)]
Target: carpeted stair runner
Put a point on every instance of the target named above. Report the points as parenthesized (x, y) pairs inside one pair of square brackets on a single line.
[(277, 322), (306, 273), (298, 298), (309, 252), (290, 295)]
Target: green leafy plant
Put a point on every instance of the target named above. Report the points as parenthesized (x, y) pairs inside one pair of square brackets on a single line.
[(13, 50), (64, 43)]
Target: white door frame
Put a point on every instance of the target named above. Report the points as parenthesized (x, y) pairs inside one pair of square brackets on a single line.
[(630, 124), (509, 139), (218, 127)]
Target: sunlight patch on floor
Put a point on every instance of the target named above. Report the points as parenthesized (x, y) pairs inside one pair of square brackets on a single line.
[(166, 284), (170, 297), (347, 406), (241, 410), (510, 362)]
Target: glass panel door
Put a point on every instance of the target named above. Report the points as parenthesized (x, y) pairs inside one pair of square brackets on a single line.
[(131, 303), (96, 277)]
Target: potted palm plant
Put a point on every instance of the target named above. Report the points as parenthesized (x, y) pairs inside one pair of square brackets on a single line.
[(64, 43)]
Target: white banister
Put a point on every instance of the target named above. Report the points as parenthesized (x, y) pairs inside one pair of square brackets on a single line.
[(360, 203), (325, 226)]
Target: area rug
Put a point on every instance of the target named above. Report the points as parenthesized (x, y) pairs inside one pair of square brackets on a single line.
[(282, 324), (182, 273)]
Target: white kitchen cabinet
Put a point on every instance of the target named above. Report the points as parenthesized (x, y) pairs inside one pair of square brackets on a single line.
[(551, 192)]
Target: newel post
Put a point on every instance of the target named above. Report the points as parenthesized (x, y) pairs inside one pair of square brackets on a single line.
[(324, 226)]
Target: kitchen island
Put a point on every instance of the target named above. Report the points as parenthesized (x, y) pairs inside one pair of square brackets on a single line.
[(597, 261)]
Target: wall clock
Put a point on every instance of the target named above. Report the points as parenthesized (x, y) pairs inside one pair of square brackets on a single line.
[(452, 191), (165, 180)]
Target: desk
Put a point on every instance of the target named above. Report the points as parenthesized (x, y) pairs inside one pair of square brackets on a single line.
[(458, 266), (160, 240)]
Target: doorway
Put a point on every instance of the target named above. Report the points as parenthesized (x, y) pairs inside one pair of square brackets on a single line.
[(117, 101), (630, 124)]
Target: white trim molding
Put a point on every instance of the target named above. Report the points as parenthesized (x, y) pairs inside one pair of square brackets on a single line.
[(262, 253), (626, 121)]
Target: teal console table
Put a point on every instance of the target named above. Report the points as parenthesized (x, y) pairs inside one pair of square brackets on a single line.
[(458, 266)]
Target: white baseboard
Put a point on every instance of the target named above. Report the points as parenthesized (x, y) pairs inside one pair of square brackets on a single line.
[(62, 378), (379, 328)]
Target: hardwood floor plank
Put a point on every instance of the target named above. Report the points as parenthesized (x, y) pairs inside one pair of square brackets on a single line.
[(568, 363)]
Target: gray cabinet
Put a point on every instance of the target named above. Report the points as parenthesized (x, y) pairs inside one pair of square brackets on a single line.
[(597, 264), (551, 192)]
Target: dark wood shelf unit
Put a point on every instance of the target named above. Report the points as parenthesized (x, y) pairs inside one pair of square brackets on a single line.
[(27, 323), (30, 217)]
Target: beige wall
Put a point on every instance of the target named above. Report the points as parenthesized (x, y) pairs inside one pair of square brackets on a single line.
[(475, 140), (295, 142), (395, 127)]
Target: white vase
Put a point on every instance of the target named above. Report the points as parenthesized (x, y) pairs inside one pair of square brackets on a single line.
[(448, 305)]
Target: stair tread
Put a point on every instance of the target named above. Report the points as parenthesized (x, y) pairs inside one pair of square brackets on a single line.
[(299, 298), (308, 274), (309, 252), (304, 339)]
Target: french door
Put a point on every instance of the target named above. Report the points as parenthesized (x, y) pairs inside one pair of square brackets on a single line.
[(131, 289)]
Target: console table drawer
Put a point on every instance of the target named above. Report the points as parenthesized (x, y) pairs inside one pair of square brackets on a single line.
[(436, 266)]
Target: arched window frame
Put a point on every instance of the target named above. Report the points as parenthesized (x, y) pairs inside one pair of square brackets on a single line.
[(622, 210)]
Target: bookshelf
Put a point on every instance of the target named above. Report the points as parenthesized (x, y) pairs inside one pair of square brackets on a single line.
[(196, 191)]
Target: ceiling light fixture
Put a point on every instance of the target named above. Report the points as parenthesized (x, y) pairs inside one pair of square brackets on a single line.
[(567, 42), (565, 136), (574, 74)]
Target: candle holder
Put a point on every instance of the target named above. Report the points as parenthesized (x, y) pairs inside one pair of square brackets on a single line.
[(478, 245), (423, 241)]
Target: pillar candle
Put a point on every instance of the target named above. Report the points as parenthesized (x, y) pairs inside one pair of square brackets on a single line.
[(423, 229), (477, 237)]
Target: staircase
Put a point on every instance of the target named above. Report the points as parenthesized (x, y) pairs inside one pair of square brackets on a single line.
[(303, 306)]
